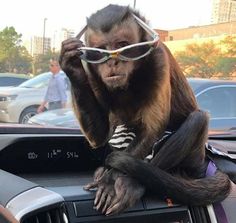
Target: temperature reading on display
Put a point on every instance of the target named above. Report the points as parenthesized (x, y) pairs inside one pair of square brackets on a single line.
[(72, 155), (54, 153)]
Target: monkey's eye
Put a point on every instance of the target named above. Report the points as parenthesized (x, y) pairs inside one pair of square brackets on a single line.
[(136, 51), (121, 44), (93, 56)]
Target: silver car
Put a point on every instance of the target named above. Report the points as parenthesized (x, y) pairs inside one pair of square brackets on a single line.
[(18, 104), (218, 97)]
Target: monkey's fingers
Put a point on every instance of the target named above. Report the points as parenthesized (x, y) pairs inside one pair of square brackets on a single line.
[(71, 44), (106, 198), (117, 205), (99, 173), (98, 195), (91, 185), (121, 203), (107, 203), (128, 192), (102, 200), (68, 46)]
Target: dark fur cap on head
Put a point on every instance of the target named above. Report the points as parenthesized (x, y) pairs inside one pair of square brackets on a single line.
[(105, 18)]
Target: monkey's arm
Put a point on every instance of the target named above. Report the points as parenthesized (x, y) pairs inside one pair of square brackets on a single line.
[(92, 115), (186, 146), (184, 149)]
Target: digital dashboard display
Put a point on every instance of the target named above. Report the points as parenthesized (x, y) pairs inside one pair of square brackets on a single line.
[(50, 154)]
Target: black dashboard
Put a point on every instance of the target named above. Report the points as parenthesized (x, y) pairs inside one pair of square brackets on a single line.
[(49, 153), (42, 178)]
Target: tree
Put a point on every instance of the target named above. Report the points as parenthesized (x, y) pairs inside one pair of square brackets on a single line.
[(227, 63), (226, 66), (13, 56), (209, 59), (230, 46), (198, 60)]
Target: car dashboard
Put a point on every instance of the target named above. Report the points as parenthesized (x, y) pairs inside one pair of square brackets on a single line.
[(42, 178)]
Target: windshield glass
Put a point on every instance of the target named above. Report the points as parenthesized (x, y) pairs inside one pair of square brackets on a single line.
[(39, 81), (201, 36)]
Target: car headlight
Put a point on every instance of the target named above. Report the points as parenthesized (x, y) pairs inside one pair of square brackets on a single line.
[(8, 97)]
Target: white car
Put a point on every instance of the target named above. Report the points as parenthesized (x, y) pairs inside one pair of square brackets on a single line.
[(18, 104)]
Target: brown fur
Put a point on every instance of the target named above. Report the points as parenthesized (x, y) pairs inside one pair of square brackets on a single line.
[(149, 95)]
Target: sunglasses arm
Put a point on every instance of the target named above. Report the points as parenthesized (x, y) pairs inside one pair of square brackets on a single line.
[(150, 31), (80, 34)]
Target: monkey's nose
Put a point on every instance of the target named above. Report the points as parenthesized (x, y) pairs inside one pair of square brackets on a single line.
[(112, 62)]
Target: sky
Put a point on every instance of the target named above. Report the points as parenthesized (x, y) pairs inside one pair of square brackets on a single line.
[(27, 16)]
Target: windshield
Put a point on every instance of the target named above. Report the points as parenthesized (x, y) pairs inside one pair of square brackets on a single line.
[(39, 81), (201, 36)]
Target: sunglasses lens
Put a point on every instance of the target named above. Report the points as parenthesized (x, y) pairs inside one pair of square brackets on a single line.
[(92, 56), (136, 51)]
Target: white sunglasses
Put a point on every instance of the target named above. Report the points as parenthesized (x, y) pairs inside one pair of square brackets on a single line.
[(128, 53)]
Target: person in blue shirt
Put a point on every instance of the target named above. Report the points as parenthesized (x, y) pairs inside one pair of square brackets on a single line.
[(55, 96)]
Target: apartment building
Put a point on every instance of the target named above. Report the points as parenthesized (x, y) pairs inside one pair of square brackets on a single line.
[(40, 45), (223, 11)]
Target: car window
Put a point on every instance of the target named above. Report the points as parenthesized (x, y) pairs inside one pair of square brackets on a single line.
[(11, 81), (202, 40), (39, 81), (219, 102)]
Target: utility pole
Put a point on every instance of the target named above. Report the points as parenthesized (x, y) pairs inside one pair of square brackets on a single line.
[(134, 4), (44, 28)]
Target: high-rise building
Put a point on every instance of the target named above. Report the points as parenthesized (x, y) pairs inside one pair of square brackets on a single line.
[(40, 45), (67, 33), (60, 36), (223, 11)]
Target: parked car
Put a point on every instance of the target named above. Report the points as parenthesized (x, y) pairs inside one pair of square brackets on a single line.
[(63, 117), (18, 104), (218, 97), (11, 79)]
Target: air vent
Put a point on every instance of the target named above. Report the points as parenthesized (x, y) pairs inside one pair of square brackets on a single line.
[(200, 214), (52, 215)]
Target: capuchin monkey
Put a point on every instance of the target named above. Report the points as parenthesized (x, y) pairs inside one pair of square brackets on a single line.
[(135, 100)]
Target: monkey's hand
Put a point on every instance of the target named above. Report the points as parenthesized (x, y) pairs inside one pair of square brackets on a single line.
[(104, 181), (127, 192), (99, 173), (115, 191), (70, 61)]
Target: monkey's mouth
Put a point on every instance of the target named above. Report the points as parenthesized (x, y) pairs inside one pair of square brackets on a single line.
[(114, 77), (115, 80)]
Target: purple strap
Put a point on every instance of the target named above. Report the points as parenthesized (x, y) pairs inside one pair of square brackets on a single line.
[(219, 210), (220, 213), (211, 169)]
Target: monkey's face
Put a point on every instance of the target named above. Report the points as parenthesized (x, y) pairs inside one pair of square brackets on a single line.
[(114, 72)]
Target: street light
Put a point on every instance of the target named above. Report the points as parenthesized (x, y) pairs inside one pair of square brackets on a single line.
[(44, 27)]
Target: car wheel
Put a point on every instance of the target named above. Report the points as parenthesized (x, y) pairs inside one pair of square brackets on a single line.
[(27, 114)]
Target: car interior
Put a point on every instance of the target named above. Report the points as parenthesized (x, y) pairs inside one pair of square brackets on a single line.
[(124, 63), (43, 173)]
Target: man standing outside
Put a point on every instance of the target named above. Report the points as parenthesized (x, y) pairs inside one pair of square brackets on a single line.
[(55, 96)]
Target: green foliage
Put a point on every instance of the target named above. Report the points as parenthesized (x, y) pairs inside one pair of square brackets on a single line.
[(209, 59), (230, 43), (13, 56), (226, 65)]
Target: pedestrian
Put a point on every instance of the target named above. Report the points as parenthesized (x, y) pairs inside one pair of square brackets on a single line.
[(55, 96)]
